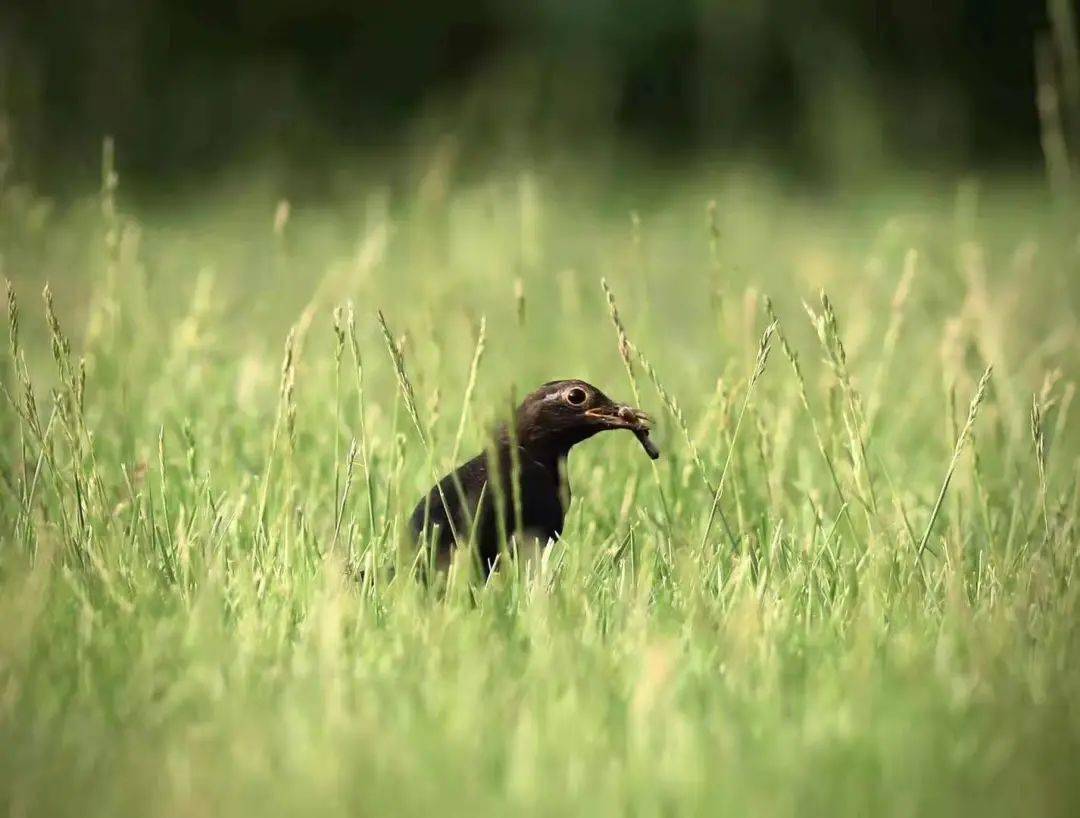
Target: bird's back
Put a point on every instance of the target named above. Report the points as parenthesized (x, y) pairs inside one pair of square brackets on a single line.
[(431, 520), (472, 504)]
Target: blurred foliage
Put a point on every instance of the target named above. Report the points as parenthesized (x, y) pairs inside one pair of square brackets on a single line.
[(826, 90)]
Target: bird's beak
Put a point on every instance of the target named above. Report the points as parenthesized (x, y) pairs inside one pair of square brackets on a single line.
[(616, 416)]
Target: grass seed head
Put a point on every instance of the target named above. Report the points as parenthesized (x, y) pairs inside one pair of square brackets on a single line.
[(13, 322)]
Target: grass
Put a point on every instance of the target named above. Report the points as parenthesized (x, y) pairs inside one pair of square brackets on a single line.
[(848, 588)]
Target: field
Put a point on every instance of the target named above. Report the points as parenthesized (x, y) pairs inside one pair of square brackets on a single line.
[(849, 587)]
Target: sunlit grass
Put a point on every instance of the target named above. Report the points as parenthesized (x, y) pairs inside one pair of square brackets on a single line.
[(849, 586)]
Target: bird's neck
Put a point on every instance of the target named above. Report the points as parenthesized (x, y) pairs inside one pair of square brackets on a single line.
[(549, 454)]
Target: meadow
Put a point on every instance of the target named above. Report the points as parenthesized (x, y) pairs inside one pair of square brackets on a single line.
[(849, 587)]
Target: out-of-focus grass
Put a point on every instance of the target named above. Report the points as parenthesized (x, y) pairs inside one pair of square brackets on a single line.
[(182, 514)]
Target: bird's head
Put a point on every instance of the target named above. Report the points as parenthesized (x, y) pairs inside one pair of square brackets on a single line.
[(562, 413)]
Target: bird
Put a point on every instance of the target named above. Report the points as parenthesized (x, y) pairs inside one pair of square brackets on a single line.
[(477, 500)]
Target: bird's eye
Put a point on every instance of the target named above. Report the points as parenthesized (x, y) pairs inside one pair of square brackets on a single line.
[(576, 396)]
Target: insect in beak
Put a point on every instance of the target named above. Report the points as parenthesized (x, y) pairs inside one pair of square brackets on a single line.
[(627, 417)]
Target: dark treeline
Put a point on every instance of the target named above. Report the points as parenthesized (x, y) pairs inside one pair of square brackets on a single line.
[(187, 85)]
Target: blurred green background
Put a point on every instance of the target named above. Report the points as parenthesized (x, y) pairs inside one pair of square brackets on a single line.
[(824, 92), (196, 465)]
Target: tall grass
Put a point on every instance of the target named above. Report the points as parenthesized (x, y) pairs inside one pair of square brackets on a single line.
[(816, 602)]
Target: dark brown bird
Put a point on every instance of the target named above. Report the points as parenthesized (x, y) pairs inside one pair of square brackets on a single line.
[(478, 498)]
